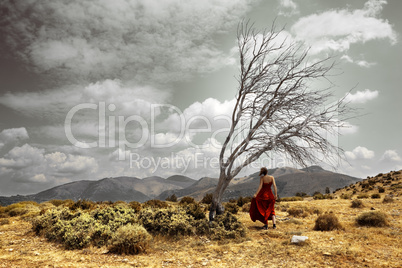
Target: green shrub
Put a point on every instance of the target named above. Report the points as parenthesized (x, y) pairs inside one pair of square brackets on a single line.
[(226, 226), (168, 221), (207, 199), (357, 204), (375, 196), (172, 198), (231, 207), (388, 199), (327, 222), (130, 239), (155, 203), (372, 218), (187, 200)]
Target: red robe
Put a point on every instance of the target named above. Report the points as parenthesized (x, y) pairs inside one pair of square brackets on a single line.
[(262, 207)]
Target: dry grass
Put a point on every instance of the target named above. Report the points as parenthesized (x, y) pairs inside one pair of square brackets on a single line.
[(353, 246)]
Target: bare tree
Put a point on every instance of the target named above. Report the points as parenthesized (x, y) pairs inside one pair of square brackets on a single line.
[(276, 108)]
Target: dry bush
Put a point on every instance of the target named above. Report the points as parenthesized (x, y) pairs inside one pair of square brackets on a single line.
[(226, 226), (207, 199), (246, 207), (82, 204), (357, 204), (243, 200), (135, 205), (290, 199), (375, 196), (345, 196), (172, 198), (187, 200), (155, 203), (388, 199), (362, 196), (196, 211), (327, 222), (381, 189), (372, 218), (231, 207), (302, 211), (4, 222), (130, 239)]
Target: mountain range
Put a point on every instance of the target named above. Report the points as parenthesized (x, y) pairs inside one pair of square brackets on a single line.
[(289, 181)]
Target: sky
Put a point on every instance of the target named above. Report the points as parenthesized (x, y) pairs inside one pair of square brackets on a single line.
[(95, 89)]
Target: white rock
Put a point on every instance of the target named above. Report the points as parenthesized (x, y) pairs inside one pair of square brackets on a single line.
[(297, 239)]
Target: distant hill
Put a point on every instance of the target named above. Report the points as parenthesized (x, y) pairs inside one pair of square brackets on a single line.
[(289, 181)]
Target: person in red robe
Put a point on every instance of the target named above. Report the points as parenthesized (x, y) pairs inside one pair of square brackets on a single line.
[(262, 206)]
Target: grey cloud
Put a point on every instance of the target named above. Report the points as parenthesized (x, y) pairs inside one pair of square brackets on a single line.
[(153, 40)]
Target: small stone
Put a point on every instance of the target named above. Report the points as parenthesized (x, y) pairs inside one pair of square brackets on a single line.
[(297, 239), (36, 253), (332, 239), (11, 250), (372, 208), (124, 260), (327, 254)]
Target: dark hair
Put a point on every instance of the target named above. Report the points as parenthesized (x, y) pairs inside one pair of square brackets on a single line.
[(263, 171)]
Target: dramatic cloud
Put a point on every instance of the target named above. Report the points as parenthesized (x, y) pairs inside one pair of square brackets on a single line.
[(361, 96), (13, 135), (146, 40), (359, 153), (337, 30)]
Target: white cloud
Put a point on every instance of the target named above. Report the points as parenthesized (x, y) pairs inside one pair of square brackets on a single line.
[(31, 164), (359, 153), (288, 8), (337, 30), (391, 156), (361, 96), (13, 135), (361, 63)]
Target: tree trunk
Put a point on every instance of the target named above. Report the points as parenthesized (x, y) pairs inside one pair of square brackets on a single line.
[(216, 205)]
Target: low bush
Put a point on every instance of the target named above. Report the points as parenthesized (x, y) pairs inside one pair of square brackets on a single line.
[(187, 200), (4, 222), (388, 199), (231, 207), (135, 205), (82, 204), (302, 211), (246, 207), (345, 196), (375, 196), (155, 203), (357, 204), (172, 198), (362, 196), (130, 239), (226, 226), (243, 200), (196, 211), (327, 222), (207, 199), (381, 189), (372, 218), (290, 199)]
